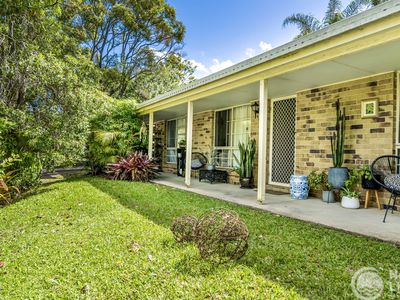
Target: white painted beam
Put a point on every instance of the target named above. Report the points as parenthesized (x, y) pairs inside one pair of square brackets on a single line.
[(189, 129), (262, 141), (151, 125)]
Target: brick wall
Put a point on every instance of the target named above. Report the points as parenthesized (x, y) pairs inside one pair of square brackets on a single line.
[(366, 138)]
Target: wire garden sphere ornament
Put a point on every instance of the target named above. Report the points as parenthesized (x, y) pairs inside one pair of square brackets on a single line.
[(221, 235)]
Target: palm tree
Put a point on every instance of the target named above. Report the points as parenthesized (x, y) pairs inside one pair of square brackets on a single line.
[(307, 23)]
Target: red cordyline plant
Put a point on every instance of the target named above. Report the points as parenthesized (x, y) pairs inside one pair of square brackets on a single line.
[(135, 167)]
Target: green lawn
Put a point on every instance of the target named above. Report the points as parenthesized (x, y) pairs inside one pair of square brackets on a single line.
[(73, 240)]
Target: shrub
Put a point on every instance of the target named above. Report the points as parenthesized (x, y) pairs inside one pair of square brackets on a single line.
[(221, 234), (135, 167), (183, 229), (7, 192), (115, 132)]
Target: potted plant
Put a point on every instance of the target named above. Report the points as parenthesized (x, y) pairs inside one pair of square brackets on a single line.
[(319, 182), (245, 163), (350, 194), (211, 160), (182, 144), (367, 182), (350, 198), (337, 175)]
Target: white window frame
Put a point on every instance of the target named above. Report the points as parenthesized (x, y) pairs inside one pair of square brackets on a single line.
[(271, 130), (176, 138), (231, 148)]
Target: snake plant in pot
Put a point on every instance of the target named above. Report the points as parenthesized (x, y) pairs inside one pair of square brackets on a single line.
[(245, 163), (337, 175)]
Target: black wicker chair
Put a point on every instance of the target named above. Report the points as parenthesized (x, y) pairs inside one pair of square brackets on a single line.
[(198, 161), (386, 172)]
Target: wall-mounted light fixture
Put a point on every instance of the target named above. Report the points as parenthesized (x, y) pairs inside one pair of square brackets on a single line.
[(255, 107)]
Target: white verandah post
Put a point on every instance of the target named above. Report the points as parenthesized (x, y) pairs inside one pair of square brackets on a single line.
[(150, 145), (189, 128), (262, 141)]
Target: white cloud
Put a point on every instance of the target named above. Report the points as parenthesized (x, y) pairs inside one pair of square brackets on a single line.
[(201, 70), (250, 52), (217, 65), (264, 46)]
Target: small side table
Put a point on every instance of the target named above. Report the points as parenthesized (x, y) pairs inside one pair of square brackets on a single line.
[(368, 195), (213, 176)]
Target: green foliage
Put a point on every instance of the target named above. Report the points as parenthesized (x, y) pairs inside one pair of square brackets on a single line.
[(8, 192), (48, 90), (141, 54), (350, 193), (116, 132), (319, 181), (365, 172), (245, 161), (307, 23), (54, 64), (352, 184), (337, 140)]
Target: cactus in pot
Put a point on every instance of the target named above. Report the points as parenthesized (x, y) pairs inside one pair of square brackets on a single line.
[(337, 175)]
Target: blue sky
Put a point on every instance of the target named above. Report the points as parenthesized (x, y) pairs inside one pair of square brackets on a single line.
[(220, 33)]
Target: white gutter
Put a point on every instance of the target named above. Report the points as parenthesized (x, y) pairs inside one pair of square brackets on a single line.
[(379, 12)]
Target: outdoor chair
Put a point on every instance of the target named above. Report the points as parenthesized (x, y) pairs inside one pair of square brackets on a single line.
[(385, 171), (198, 161)]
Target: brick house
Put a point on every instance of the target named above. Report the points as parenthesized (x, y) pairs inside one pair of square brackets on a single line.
[(296, 86)]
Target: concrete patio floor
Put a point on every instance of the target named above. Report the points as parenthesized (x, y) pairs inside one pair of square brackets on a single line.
[(366, 222)]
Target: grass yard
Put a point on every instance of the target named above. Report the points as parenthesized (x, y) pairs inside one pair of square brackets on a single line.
[(93, 238)]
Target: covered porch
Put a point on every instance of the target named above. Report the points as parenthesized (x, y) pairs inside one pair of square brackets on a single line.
[(365, 222), (352, 61)]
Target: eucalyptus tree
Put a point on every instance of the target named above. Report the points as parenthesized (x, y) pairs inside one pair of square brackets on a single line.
[(335, 12), (130, 39)]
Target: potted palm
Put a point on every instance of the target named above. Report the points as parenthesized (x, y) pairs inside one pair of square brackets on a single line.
[(337, 175), (245, 163), (319, 182)]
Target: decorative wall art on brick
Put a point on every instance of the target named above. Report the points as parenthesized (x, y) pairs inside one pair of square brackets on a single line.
[(369, 108)]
